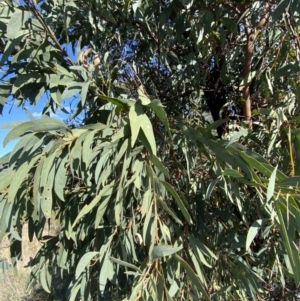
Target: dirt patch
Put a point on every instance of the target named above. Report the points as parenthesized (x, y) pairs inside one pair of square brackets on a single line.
[(13, 283)]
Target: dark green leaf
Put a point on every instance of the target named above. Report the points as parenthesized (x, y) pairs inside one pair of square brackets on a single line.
[(178, 201)]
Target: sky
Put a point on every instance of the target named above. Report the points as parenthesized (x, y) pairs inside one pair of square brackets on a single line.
[(13, 113)]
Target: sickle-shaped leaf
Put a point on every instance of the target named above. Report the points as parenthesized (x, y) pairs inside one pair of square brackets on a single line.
[(83, 262), (44, 124), (125, 264), (271, 186), (193, 277), (252, 232), (179, 202)]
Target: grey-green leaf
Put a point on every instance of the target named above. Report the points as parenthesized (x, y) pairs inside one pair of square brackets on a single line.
[(44, 124), (84, 262), (179, 202), (255, 227), (164, 250)]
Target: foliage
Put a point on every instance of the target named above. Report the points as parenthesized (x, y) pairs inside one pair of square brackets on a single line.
[(152, 205)]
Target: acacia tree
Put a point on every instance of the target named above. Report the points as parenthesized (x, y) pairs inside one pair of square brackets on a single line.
[(152, 205)]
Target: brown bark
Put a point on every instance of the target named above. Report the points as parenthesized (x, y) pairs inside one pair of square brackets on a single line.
[(251, 38)]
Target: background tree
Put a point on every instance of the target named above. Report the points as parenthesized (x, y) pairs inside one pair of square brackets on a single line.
[(152, 205)]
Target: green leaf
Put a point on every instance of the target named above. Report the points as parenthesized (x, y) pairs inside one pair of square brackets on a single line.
[(106, 268), (5, 159), (43, 279), (84, 91), (10, 47), (202, 248), (23, 80), (6, 179), (264, 168), (36, 186), (125, 264), (232, 173), (148, 131), (158, 109), (60, 179), (179, 202), (147, 226), (16, 21), (108, 16), (47, 165), (135, 117), (157, 163), (71, 90), (20, 176), (198, 269), (87, 208), (237, 136), (101, 210), (249, 77), (193, 277), (4, 266), (143, 97), (47, 197), (164, 250), (84, 262), (43, 124), (288, 70), (123, 104), (5, 212), (75, 289), (271, 186), (292, 252), (293, 181), (211, 187), (170, 212), (279, 10), (87, 147), (254, 229)]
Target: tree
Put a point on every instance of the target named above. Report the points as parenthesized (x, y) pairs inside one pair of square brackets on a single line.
[(152, 205)]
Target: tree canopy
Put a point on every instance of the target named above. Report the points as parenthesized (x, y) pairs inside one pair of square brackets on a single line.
[(176, 174)]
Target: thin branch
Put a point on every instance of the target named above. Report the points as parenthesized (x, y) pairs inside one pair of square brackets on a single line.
[(49, 32), (294, 33), (251, 38)]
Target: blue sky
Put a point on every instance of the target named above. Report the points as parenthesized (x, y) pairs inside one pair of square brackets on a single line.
[(13, 113)]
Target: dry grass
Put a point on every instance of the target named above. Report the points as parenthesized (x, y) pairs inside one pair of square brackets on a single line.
[(13, 283), (13, 286)]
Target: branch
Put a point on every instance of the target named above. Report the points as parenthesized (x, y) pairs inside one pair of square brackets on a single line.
[(294, 33), (49, 32), (259, 25), (251, 38)]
